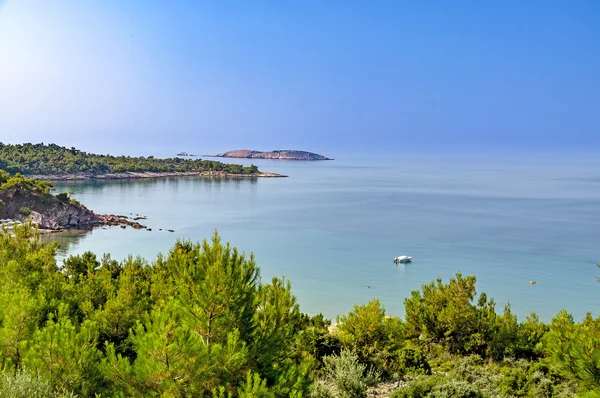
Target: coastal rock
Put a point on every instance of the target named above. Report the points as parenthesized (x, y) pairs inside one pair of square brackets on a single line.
[(47, 212), (285, 154)]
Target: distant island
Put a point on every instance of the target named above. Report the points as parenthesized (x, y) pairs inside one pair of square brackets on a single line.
[(54, 162), (185, 154), (284, 154)]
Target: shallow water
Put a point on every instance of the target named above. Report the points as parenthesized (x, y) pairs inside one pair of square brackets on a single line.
[(334, 227)]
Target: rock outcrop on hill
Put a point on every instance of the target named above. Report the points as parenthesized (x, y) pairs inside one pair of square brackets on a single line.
[(279, 154), (46, 211)]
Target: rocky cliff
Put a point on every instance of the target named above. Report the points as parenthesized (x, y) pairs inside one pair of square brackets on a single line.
[(48, 212), (279, 154)]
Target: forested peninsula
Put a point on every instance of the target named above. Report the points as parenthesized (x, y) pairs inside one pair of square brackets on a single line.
[(201, 321), (53, 162)]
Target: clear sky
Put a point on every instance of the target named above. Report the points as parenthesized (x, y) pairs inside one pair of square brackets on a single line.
[(131, 76)]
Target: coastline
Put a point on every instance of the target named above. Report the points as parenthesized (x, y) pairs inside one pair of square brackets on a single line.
[(88, 223), (146, 174)]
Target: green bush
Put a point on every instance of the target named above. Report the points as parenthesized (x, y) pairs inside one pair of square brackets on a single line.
[(420, 387), (345, 377), (375, 337), (471, 370), (322, 389), (450, 315), (413, 362), (20, 182), (591, 394), (25, 211), (63, 197), (454, 389), (514, 382), (316, 341), (23, 385)]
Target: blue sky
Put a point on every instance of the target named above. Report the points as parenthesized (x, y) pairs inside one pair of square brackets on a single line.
[(134, 76)]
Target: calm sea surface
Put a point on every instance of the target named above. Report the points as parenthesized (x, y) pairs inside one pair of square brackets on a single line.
[(334, 227)]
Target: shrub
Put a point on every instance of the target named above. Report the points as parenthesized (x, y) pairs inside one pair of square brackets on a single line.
[(419, 388), (63, 197), (454, 389), (590, 394), (316, 342), (472, 371), (24, 385), (450, 315), (413, 362), (345, 377), (25, 211), (374, 336), (321, 389), (514, 381)]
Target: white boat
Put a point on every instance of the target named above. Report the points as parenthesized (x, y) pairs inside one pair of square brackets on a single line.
[(402, 259)]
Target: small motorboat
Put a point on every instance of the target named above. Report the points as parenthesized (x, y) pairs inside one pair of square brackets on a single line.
[(402, 259)]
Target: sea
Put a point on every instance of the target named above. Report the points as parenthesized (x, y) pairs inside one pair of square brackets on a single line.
[(528, 227)]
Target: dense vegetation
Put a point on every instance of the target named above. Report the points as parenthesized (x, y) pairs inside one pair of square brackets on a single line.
[(201, 322), (53, 159), (38, 187)]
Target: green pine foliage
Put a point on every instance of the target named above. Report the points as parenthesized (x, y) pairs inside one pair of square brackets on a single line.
[(375, 337), (41, 159), (21, 183), (413, 362), (199, 321), (574, 349), (446, 314)]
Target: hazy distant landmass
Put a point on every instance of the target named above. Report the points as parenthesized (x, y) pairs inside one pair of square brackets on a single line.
[(285, 154)]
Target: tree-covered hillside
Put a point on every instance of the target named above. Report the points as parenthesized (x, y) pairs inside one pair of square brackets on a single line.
[(201, 322), (41, 159)]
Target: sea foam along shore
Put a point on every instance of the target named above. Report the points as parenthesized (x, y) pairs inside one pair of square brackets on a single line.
[(146, 174)]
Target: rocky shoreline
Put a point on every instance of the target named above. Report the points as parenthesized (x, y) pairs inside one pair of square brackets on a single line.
[(146, 174), (72, 217), (22, 204), (52, 225), (26, 200)]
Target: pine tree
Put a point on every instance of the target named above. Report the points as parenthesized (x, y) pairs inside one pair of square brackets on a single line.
[(173, 360), (19, 317), (574, 349), (66, 355), (445, 314), (218, 287)]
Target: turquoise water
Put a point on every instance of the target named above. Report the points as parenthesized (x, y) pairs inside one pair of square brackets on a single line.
[(333, 228)]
